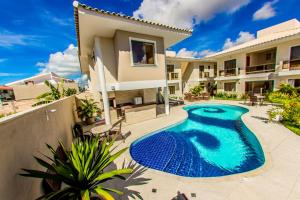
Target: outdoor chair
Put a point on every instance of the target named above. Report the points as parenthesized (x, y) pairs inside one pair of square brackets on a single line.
[(205, 96), (78, 132), (116, 130), (253, 100)]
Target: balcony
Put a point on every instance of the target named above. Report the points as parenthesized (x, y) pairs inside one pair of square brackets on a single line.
[(229, 72), (261, 68), (173, 76), (204, 75), (291, 65)]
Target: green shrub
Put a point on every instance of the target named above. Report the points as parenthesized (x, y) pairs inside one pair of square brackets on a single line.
[(70, 91), (226, 95), (196, 90), (287, 89)]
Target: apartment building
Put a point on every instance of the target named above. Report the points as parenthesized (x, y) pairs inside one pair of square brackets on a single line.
[(262, 64), (257, 66)]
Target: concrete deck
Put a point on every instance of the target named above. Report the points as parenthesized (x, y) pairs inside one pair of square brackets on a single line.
[(278, 178)]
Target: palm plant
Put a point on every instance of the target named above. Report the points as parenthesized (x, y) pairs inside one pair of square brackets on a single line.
[(55, 93), (87, 109), (83, 172)]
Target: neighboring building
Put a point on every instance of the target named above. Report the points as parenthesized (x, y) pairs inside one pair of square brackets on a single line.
[(125, 60), (262, 64), (185, 73), (30, 88), (257, 66), (6, 93)]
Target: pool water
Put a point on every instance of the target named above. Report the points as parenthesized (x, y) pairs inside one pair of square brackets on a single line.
[(211, 142)]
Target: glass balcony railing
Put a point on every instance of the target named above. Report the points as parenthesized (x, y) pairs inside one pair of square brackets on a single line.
[(229, 72), (291, 64), (173, 76), (261, 68)]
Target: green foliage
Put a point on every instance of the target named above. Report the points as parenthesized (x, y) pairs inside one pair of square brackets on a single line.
[(83, 172), (2, 115), (226, 95), (69, 92), (88, 108), (288, 89), (56, 92), (196, 90), (289, 109), (176, 97)]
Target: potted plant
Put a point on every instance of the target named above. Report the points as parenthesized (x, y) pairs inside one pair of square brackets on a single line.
[(87, 110), (81, 170)]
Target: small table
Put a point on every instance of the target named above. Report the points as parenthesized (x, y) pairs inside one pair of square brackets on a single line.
[(260, 99), (100, 130)]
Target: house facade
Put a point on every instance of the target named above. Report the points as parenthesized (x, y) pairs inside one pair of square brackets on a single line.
[(125, 61)]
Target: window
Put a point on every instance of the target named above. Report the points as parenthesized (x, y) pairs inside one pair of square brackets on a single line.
[(230, 64), (295, 53), (294, 82), (268, 56), (208, 67), (201, 68), (172, 89), (229, 87), (170, 68), (142, 52), (248, 61)]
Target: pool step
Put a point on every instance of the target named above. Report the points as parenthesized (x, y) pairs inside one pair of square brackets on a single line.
[(178, 155), (187, 161)]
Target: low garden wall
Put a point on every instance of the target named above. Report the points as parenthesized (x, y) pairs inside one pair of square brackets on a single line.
[(23, 135)]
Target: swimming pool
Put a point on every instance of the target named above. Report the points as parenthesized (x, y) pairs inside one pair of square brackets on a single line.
[(213, 141)]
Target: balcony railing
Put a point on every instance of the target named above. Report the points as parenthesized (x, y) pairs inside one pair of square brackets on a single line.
[(204, 74), (291, 64), (173, 76), (262, 68), (229, 72)]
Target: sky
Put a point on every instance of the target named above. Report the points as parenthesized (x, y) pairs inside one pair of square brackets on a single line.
[(38, 36)]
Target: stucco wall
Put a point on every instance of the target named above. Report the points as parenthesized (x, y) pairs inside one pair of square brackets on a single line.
[(23, 92), (127, 72), (23, 135)]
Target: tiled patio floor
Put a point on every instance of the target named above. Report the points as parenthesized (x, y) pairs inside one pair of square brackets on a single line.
[(278, 178)]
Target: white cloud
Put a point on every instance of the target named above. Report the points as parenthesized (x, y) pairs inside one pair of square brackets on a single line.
[(186, 53), (10, 74), (266, 11), (187, 13), (48, 16), (9, 39), (243, 37), (62, 63)]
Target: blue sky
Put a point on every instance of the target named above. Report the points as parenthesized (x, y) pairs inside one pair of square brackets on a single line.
[(32, 30)]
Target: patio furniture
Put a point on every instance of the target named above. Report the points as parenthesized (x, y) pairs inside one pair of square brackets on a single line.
[(260, 99), (116, 130), (188, 96), (253, 100), (205, 96), (79, 133)]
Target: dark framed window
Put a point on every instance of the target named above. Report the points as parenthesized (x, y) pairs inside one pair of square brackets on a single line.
[(201, 68), (172, 89), (230, 64), (268, 56), (143, 53), (230, 87), (295, 53), (170, 68)]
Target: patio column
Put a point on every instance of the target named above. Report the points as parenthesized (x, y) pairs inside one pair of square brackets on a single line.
[(166, 98), (101, 76)]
